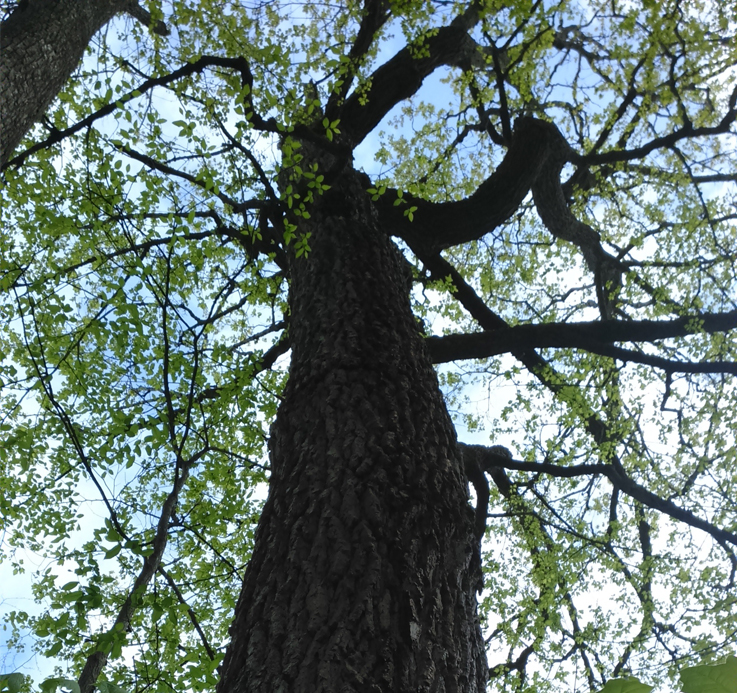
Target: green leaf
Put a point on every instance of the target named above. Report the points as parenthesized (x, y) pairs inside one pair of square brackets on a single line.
[(51, 685), (114, 551), (55, 649), (11, 682), (107, 687), (625, 685), (716, 678)]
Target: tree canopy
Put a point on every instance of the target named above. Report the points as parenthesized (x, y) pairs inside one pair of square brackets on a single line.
[(559, 178)]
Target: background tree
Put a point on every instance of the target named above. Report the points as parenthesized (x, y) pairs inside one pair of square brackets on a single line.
[(42, 43), (557, 185)]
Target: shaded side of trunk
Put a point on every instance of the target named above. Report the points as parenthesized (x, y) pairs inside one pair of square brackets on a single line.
[(41, 44), (364, 573)]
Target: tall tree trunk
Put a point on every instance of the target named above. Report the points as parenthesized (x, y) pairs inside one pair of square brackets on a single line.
[(41, 44), (364, 572)]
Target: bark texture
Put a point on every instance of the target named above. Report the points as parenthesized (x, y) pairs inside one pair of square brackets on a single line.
[(365, 570), (41, 44)]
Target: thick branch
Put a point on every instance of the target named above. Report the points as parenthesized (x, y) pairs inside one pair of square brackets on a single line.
[(401, 76), (596, 337), (552, 207), (536, 156), (144, 16), (486, 318), (491, 460), (534, 161), (435, 226)]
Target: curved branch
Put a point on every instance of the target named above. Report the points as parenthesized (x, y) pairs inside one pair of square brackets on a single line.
[(552, 208), (435, 226), (491, 460), (668, 365), (238, 64), (533, 161)]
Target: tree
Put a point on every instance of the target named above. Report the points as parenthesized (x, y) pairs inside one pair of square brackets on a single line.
[(42, 44), (193, 208)]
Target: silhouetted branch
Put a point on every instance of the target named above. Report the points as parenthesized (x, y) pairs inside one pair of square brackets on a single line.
[(435, 225), (595, 337), (401, 76), (238, 64), (491, 460)]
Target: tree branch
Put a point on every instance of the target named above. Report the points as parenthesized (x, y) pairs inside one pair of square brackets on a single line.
[(490, 460), (97, 660), (375, 15), (441, 269), (595, 337), (238, 64), (684, 132), (157, 165), (144, 16), (435, 226), (401, 76), (190, 612)]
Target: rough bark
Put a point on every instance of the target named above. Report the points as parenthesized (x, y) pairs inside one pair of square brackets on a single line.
[(365, 569), (41, 44)]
